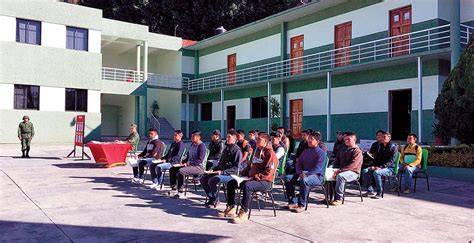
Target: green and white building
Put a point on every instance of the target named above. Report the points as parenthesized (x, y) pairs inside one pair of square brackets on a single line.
[(358, 65), (332, 65), (59, 60)]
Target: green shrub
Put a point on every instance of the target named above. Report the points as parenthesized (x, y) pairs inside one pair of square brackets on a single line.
[(451, 156)]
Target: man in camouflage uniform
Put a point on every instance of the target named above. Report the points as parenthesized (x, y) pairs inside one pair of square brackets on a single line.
[(133, 138), (26, 132)]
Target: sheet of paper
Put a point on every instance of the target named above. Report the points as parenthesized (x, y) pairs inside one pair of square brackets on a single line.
[(240, 179)]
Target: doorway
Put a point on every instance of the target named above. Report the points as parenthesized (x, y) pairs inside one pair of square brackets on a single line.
[(296, 117), (296, 54), (231, 68), (230, 117), (400, 113), (342, 40)]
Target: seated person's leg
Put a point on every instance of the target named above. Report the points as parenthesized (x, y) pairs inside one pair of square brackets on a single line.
[(152, 169), (290, 182), (250, 187), (205, 184), (407, 177), (173, 176), (341, 179), (378, 178), (305, 185), (160, 169), (213, 182), (141, 168)]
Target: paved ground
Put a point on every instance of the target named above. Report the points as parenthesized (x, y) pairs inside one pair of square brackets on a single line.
[(49, 199)]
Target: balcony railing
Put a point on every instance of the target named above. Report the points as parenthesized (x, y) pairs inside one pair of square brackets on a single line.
[(154, 79), (466, 34), (414, 42)]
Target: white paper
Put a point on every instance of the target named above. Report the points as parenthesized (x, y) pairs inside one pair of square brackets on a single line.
[(240, 179)]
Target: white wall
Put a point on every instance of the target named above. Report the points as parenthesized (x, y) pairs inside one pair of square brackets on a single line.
[(242, 109), (93, 101), (7, 28), (365, 21), (53, 35), (187, 64), (95, 41), (257, 50), (6, 96), (467, 10), (357, 99), (169, 62), (52, 99)]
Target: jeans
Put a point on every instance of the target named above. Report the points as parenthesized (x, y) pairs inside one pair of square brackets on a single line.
[(156, 171), (140, 169), (305, 184), (341, 179), (247, 187), (178, 174), (210, 182), (377, 177), (407, 175)]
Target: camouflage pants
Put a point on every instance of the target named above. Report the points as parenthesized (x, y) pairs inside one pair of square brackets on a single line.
[(25, 143)]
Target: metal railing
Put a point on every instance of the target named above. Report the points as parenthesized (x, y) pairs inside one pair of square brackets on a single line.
[(167, 81), (466, 34), (123, 75), (154, 79), (154, 123), (414, 42)]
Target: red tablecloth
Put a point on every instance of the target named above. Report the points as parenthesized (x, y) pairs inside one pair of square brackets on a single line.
[(110, 154)]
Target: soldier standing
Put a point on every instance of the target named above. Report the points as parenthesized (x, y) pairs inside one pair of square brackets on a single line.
[(26, 132)]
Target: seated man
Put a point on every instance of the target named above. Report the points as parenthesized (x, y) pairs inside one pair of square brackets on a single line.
[(253, 139), (216, 146), (153, 150), (383, 165), (349, 162), (259, 173), (228, 165), (277, 145), (321, 144), (133, 138), (338, 145), (369, 155), (171, 158), (410, 161), (309, 172), (245, 147), (289, 135), (284, 139), (191, 166)]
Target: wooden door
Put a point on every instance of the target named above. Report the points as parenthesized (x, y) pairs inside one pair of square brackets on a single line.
[(342, 41), (230, 117), (296, 117), (400, 23), (296, 54), (231, 68)]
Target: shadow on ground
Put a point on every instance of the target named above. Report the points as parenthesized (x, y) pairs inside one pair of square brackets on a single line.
[(41, 232)]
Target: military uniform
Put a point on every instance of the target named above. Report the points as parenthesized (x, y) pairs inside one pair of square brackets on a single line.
[(26, 132), (134, 140)]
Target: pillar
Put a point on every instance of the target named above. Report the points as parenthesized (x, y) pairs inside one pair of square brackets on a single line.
[(328, 117)]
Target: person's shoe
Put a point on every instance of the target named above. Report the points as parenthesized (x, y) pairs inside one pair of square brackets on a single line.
[(394, 189), (209, 203), (27, 155), (135, 180), (377, 196), (229, 212), (141, 181), (336, 203), (154, 184), (369, 194), (406, 191), (241, 217), (290, 206), (298, 209), (179, 195)]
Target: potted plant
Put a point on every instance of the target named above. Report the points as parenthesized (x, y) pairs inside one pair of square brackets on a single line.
[(155, 107), (275, 110)]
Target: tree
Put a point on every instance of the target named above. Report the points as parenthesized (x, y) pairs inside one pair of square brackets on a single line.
[(454, 107), (190, 19)]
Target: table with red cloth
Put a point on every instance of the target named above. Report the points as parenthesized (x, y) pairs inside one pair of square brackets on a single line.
[(109, 154)]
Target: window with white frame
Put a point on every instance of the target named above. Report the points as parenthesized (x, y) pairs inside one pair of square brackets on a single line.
[(77, 38), (28, 31)]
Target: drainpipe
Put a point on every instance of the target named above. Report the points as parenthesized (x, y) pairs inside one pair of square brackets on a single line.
[(455, 39), (328, 117), (420, 100)]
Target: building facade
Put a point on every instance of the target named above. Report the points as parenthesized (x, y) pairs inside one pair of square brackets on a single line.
[(59, 60), (330, 65)]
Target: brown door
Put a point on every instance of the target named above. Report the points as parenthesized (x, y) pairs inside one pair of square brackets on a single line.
[(400, 23), (231, 68), (296, 54), (342, 41), (230, 117), (296, 117)]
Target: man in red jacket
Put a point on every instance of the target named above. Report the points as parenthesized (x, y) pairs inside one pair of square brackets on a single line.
[(259, 175)]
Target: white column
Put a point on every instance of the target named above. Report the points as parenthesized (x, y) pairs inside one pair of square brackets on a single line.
[(455, 32), (222, 112), (187, 116), (420, 100), (138, 57), (328, 118), (145, 61), (269, 110)]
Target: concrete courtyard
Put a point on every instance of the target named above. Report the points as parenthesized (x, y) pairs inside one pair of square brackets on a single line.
[(52, 199)]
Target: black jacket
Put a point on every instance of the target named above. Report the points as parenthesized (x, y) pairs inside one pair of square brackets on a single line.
[(215, 149), (230, 159)]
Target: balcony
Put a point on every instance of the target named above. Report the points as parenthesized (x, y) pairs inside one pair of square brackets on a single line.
[(421, 42), (133, 76)]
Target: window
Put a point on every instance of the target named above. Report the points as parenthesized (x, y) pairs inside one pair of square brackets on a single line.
[(26, 97), (206, 111), (28, 31), (76, 100), (76, 38), (259, 107)]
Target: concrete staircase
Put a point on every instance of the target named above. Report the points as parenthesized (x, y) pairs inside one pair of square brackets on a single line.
[(163, 126)]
